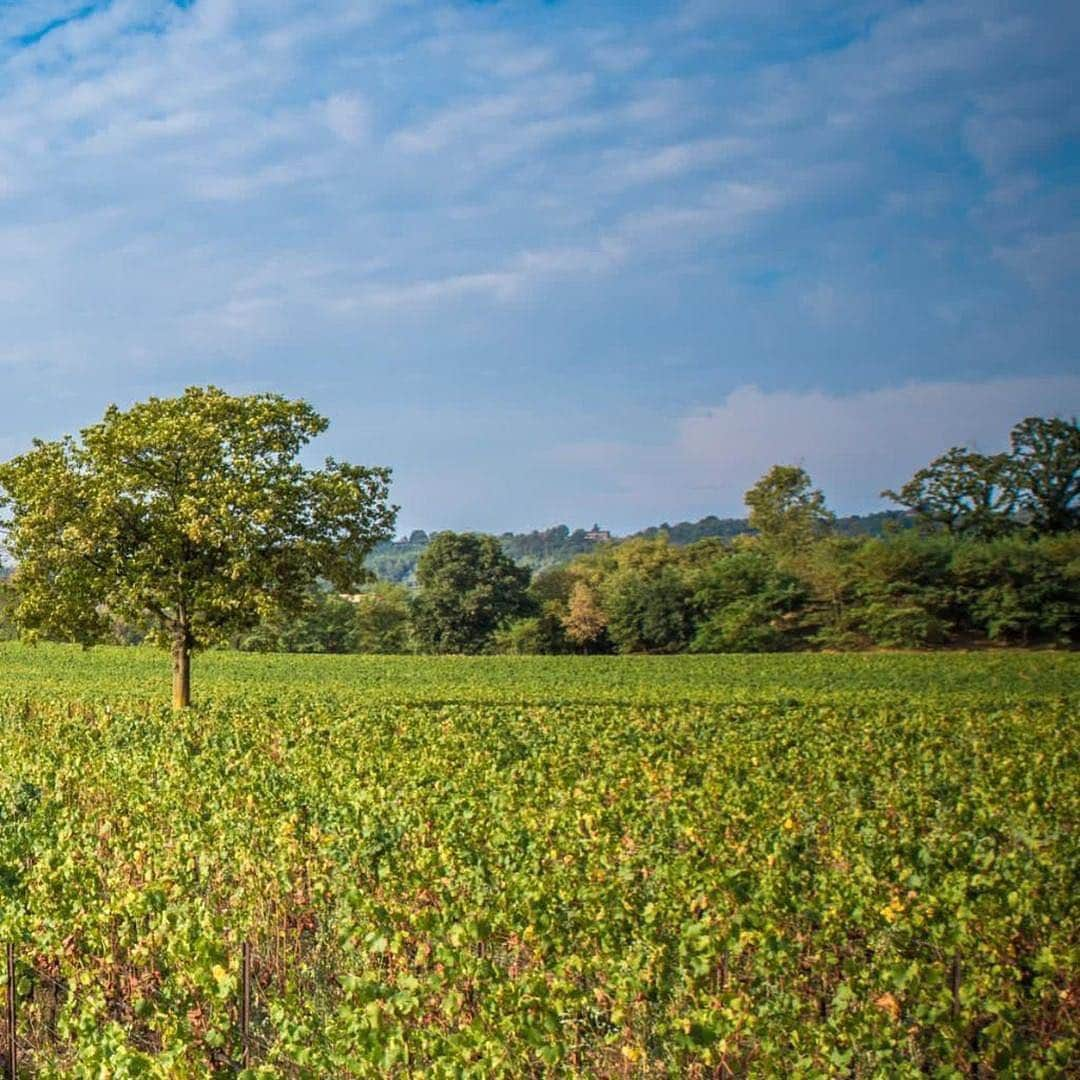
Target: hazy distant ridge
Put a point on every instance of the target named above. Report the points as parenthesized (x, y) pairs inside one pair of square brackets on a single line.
[(396, 560)]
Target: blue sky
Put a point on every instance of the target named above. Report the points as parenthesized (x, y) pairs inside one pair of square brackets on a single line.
[(558, 261)]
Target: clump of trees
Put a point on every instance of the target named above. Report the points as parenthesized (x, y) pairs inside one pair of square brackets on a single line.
[(396, 560), (989, 551), (374, 620)]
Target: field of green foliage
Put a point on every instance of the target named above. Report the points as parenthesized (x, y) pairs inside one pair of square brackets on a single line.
[(851, 865)]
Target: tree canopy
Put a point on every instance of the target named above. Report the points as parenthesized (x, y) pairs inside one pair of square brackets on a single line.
[(1036, 486), (469, 588), (192, 514), (785, 511), (962, 492), (1046, 465)]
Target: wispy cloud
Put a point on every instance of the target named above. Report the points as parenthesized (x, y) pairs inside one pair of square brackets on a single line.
[(325, 194)]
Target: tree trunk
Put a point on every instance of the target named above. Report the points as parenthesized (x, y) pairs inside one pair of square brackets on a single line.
[(181, 670)]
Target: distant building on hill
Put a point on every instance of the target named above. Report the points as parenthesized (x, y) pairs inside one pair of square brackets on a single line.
[(596, 535)]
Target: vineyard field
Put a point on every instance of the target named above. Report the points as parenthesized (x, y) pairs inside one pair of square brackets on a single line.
[(142, 674), (849, 865)]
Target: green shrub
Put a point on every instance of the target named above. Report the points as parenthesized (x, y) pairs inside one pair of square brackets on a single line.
[(1020, 590), (904, 593), (648, 611), (747, 604), (536, 634)]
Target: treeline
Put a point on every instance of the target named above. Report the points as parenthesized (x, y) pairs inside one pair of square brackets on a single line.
[(908, 590), (688, 532), (987, 549)]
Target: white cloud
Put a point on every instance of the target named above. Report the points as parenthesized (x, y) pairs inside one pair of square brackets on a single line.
[(857, 444), (728, 211), (500, 285), (348, 117), (515, 64), (830, 306), (725, 209), (515, 279), (1045, 260), (677, 159), (620, 58), (543, 104)]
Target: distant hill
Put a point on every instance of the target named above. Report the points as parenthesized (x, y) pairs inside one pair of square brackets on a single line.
[(396, 560)]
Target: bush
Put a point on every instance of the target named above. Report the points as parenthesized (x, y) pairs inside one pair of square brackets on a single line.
[(899, 625), (537, 634), (383, 623), (328, 625), (521, 638), (649, 612), (747, 604), (905, 597), (747, 625), (1019, 590)]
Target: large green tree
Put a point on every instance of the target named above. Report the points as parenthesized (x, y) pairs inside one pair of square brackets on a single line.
[(469, 588), (191, 513), (648, 611), (1046, 470), (963, 492)]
